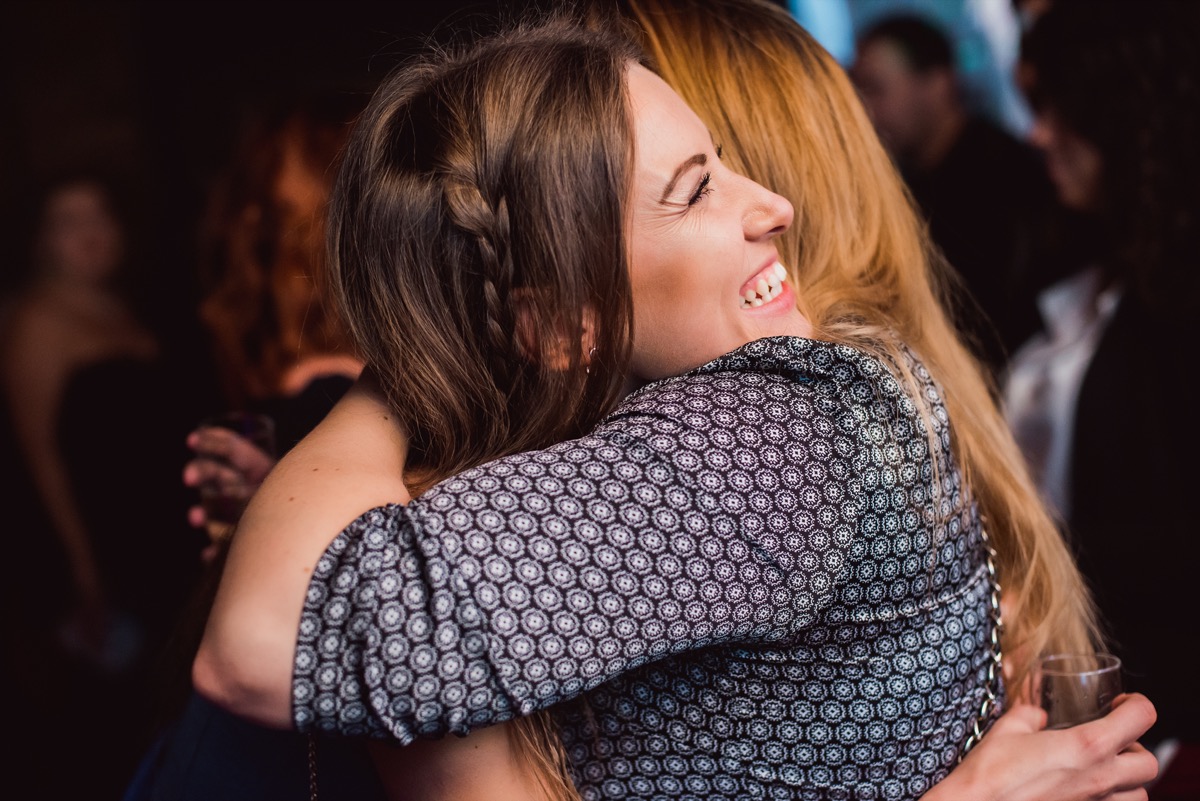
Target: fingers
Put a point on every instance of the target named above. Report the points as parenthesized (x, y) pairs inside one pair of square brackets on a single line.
[(1131, 717), (1138, 794), (1021, 719), (210, 553), (222, 444), (209, 472), (1137, 767)]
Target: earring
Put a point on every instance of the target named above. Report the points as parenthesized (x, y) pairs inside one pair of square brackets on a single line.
[(591, 355)]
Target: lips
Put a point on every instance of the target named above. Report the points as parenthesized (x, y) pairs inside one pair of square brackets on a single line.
[(764, 287)]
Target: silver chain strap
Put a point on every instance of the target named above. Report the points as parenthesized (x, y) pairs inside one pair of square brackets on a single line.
[(312, 767), (991, 688)]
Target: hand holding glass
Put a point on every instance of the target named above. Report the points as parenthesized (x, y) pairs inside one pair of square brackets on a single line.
[(1076, 688), (225, 493)]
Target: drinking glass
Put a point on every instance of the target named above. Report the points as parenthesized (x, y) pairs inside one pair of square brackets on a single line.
[(225, 498), (1076, 688)]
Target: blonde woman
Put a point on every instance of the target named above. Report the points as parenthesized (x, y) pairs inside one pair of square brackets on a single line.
[(865, 269), (765, 573)]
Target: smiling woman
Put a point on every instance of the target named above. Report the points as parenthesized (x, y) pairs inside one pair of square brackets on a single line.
[(701, 242), (762, 572)]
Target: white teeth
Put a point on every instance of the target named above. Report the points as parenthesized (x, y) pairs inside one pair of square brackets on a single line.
[(766, 289)]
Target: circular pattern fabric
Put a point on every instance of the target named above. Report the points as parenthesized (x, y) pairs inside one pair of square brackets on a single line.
[(762, 579)]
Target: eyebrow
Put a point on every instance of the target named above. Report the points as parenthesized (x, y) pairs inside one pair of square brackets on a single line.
[(697, 160)]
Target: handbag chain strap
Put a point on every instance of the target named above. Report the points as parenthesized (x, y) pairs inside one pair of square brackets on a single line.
[(991, 688), (312, 767)]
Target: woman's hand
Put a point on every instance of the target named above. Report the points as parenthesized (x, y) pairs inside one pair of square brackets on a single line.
[(228, 461), (1019, 760)]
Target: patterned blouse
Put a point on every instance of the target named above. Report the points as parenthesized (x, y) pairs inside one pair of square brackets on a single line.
[(743, 584)]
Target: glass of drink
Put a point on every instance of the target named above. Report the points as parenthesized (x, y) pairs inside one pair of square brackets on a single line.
[(1076, 688), (225, 495)]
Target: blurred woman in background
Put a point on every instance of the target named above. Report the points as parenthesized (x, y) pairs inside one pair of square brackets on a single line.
[(282, 350), (1098, 397), (279, 345), (98, 409)]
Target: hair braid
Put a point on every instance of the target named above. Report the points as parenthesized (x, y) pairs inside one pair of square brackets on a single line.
[(485, 224)]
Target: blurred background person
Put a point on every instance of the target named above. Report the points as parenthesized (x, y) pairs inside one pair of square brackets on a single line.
[(281, 349), (981, 188), (1097, 397), (276, 334), (70, 318), (91, 394), (279, 345)]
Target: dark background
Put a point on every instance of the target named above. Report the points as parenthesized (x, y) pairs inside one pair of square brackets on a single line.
[(154, 92)]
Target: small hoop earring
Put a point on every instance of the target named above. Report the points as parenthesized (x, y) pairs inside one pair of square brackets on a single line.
[(591, 354)]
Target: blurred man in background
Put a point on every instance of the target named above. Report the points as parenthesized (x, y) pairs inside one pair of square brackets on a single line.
[(982, 190)]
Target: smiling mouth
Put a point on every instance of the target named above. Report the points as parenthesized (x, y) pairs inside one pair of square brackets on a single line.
[(764, 287)]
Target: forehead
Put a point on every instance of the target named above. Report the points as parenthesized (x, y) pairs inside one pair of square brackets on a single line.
[(74, 200), (666, 130), (882, 57)]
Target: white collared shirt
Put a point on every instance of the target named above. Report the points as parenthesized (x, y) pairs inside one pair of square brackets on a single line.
[(1041, 389)]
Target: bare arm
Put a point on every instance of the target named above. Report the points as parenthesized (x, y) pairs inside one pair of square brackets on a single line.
[(36, 365), (352, 461)]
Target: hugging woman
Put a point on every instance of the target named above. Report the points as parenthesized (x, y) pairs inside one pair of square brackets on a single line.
[(607, 460)]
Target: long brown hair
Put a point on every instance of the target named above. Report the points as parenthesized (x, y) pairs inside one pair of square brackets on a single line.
[(477, 245), (864, 267), (477, 219)]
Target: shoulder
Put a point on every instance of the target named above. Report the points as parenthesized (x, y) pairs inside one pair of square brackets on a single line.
[(778, 388), (34, 316), (351, 462), (319, 370), (774, 367)]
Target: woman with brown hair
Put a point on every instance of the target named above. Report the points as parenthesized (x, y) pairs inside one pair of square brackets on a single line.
[(279, 344), (765, 572), (282, 350)]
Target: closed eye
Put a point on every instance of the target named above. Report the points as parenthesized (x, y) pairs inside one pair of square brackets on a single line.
[(701, 190)]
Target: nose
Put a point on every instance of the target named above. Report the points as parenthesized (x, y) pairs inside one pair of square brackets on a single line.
[(767, 215)]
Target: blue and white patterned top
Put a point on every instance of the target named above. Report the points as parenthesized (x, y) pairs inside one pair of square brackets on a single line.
[(743, 583)]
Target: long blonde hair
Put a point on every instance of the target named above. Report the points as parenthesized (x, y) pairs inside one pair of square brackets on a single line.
[(865, 270)]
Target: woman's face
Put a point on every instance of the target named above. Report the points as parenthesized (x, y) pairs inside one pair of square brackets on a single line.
[(704, 267), (80, 236)]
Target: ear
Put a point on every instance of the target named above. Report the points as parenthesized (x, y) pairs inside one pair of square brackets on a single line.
[(551, 347)]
